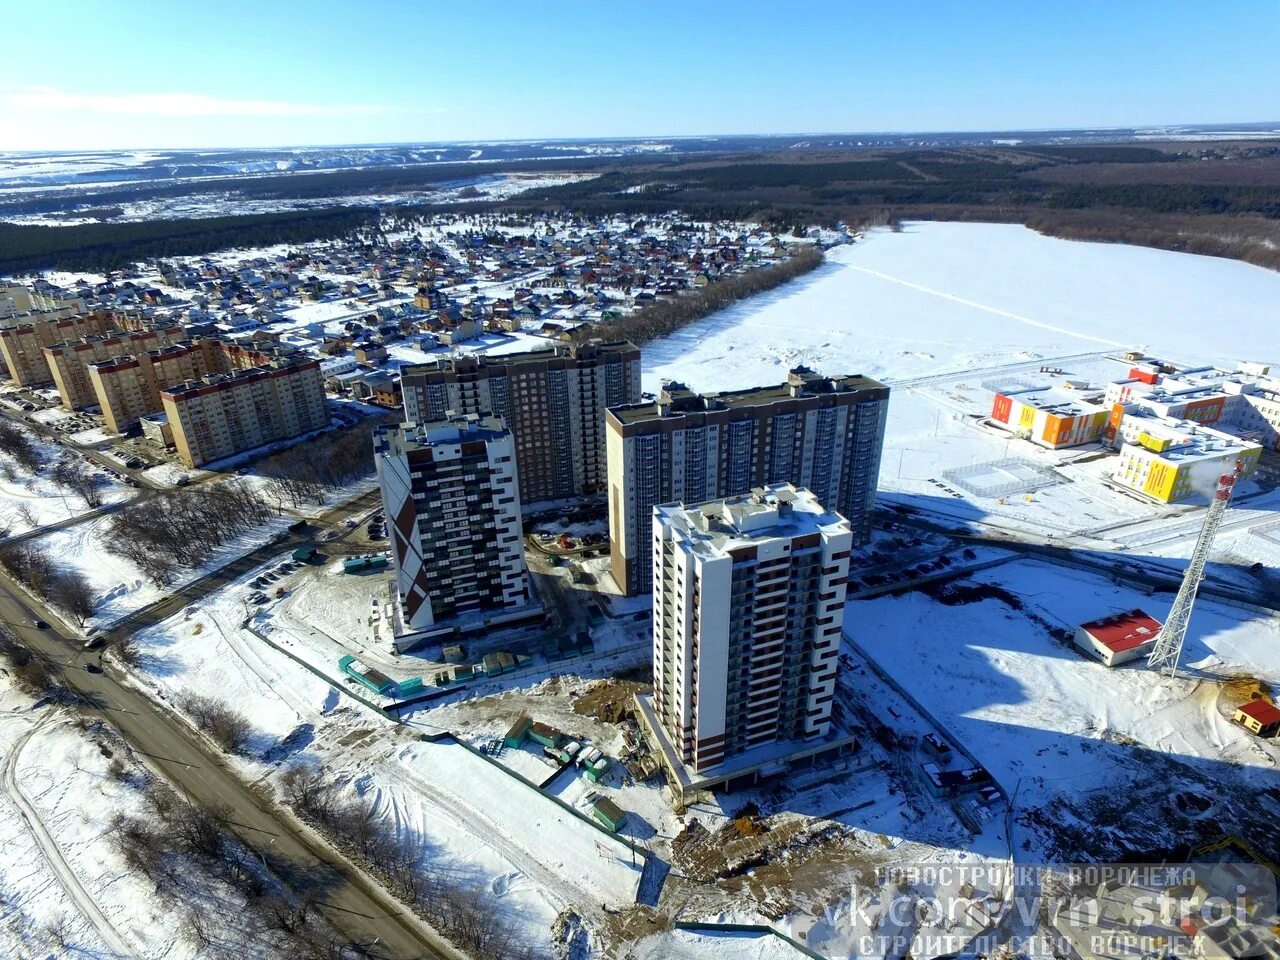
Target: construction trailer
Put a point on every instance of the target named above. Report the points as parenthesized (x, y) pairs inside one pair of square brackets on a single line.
[(519, 732), (608, 813), (545, 735), (375, 561), (368, 676)]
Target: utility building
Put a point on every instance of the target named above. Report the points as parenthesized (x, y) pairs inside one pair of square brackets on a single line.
[(451, 494), (747, 614), (821, 433)]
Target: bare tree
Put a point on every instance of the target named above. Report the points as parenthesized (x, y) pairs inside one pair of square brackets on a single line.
[(70, 591), (229, 729)]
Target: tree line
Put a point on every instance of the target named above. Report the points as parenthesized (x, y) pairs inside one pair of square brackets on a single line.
[(221, 888), (664, 317), (103, 247), (67, 589), (449, 902)]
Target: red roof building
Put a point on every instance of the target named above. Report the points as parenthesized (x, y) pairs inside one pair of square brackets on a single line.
[(1120, 637), (1262, 717)]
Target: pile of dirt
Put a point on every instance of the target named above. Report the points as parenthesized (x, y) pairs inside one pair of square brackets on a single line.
[(1240, 690), (609, 700)]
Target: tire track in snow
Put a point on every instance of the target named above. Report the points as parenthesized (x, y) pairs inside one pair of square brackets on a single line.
[(77, 893), (982, 306)]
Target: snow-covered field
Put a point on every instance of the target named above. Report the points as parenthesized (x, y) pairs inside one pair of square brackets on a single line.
[(948, 313), (32, 500), (1043, 717), (942, 297)]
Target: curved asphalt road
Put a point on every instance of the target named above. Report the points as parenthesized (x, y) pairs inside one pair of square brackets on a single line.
[(354, 905)]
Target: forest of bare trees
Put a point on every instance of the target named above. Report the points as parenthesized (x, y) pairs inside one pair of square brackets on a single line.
[(180, 530), (303, 475), (664, 317)]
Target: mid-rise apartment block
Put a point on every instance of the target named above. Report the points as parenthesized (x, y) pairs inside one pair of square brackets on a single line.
[(451, 493), (553, 401), (22, 344), (822, 433), (224, 414), (128, 388), (69, 362), (748, 608), (19, 303)]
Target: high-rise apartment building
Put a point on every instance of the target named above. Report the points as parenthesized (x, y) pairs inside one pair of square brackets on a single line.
[(69, 361), (821, 433), (451, 493), (127, 388), (22, 344), (553, 401), (225, 414), (748, 606)]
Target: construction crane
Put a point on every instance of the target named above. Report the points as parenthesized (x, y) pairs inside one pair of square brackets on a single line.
[(1168, 648)]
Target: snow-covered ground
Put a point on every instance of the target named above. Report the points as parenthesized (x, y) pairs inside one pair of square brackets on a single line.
[(529, 856), (949, 313), (1046, 719), (710, 945), (64, 889), (942, 297), (32, 500), (119, 584)]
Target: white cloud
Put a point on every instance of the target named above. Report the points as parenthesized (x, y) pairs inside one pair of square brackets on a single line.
[(52, 100)]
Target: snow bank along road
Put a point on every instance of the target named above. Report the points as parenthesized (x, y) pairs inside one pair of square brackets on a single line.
[(351, 902), (75, 890)]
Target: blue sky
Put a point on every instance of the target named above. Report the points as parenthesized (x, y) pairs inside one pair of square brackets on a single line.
[(115, 74)]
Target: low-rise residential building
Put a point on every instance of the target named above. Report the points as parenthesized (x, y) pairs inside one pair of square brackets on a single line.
[(748, 609), (823, 433), (225, 414), (451, 495)]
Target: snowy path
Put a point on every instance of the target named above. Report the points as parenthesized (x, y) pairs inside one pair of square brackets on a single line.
[(1076, 334), (81, 897)]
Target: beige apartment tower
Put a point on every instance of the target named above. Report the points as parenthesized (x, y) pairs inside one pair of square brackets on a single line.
[(69, 362), (553, 401), (821, 433), (22, 344), (128, 388), (226, 414)]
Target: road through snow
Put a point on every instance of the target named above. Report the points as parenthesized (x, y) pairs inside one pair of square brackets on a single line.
[(116, 943)]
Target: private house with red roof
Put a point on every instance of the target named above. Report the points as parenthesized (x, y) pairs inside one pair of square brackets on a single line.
[(1261, 717)]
